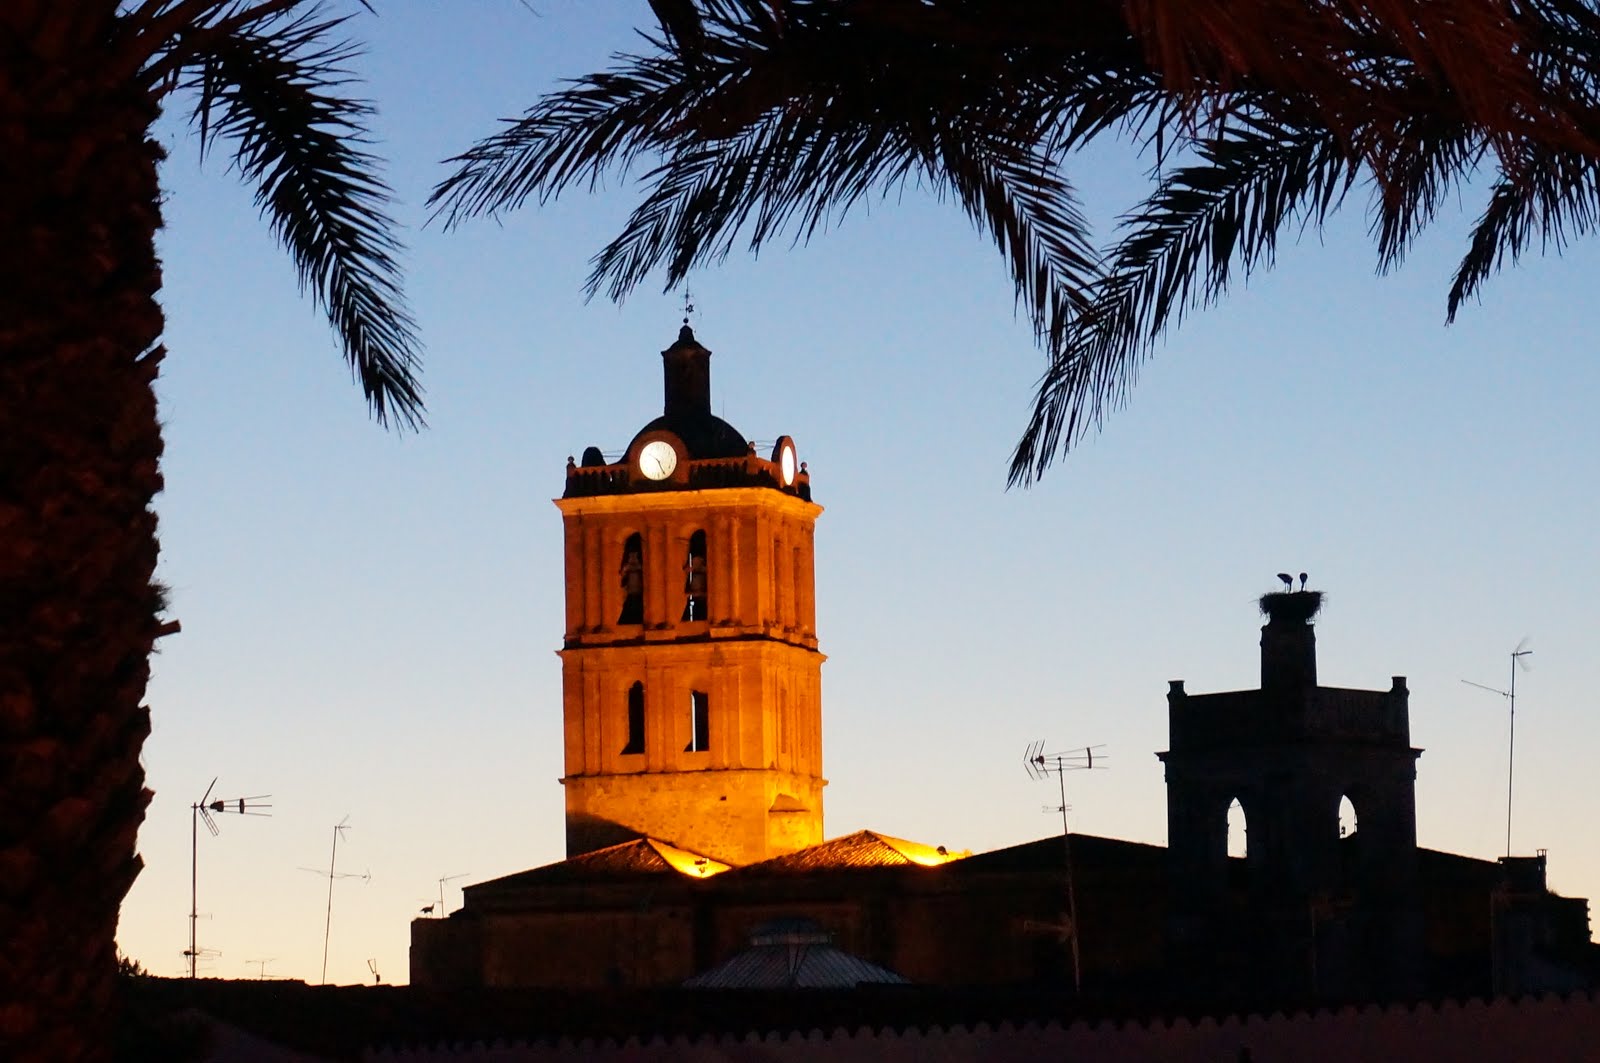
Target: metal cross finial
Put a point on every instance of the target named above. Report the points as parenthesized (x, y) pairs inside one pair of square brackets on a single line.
[(688, 304)]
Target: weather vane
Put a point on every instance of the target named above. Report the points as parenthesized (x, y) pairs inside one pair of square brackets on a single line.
[(688, 303)]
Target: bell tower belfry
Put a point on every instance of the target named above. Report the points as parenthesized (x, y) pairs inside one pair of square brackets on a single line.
[(691, 679), (1313, 909)]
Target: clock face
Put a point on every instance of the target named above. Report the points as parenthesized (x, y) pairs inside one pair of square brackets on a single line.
[(786, 465), (658, 459)]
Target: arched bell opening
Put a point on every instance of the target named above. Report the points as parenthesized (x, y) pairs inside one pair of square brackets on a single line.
[(631, 574), (694, 578)]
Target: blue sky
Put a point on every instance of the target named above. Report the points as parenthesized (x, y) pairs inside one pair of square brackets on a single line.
[(370, 619)]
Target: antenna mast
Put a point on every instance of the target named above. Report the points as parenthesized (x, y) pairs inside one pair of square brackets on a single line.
[(1510, 694), (198, 812), (442, 880), (1041, 765), (327, 926)]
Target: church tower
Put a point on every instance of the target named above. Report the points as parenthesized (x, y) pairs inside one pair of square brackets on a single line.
[(691, 679), (1310, 910)]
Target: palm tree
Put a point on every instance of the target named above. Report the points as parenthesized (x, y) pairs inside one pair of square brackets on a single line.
[(759, 119), (81, 84)]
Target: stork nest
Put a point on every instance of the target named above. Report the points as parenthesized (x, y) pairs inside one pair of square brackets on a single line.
[(1291, 607)]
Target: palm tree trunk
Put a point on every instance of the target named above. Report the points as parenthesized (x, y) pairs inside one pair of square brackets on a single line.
[(79, 450)]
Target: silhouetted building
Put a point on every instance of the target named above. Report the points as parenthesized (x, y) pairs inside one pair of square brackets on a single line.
[(692, 719), (793, 954), (1309, 911)]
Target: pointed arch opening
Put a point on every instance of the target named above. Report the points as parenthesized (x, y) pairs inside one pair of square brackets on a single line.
[(1348, 821), (632, 579), (635, 719), (1238, 843), (1349, 843), (694, 578)]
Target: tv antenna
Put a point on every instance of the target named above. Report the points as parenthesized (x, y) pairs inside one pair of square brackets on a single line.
[(204, 954), (261, 966), (200, 812), (442, 911), (1041, 765), (1510, 694), (372, 965), (332, 873)]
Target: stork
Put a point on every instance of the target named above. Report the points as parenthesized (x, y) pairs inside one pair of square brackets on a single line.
[(1302, 581), (1288, 581)]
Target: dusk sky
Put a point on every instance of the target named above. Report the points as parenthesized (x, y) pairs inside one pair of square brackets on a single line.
[(370, 619)]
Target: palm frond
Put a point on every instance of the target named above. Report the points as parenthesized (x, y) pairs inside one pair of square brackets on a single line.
[(1550, 198), (1544, 194), (764, 117), (767, 181), (1179, 252), (1413, 182), (274, 90), (753, 142), (1475, 54), (1032, 213), (785, 176), (604, 121)]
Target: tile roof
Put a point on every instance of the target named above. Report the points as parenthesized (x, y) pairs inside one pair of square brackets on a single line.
[(1048, 852), (864, 848), (641, 857)]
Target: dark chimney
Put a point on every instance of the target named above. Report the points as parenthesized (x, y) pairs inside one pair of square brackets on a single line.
[(686, 368), (1289, 640)]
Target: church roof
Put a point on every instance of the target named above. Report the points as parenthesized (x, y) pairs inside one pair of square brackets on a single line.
[(704, 434), (641, 857), (792, 953), (688, 415), (1048, 852), (864, 848)]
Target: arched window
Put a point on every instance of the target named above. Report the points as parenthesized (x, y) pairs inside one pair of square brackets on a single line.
[(1238, 831), (1347, 817), (699, 722), (635, 719), (694, 578), (1349, 843), (632, 573)]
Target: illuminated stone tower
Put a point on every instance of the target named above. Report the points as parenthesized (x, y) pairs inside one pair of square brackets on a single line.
[(691, 680)]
